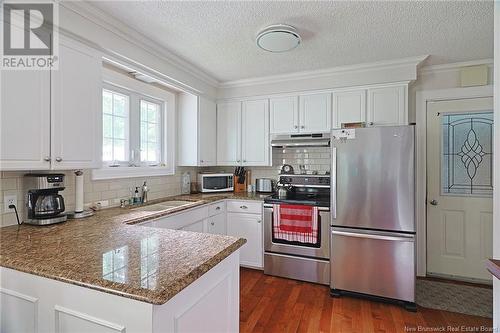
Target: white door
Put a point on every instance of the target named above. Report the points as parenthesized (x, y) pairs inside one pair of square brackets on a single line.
[(284, 115), (315, 113), (207, 124), (349, 107), (217, 224), (386, 106), (255, 144), (25, 120), (459, 187), (76, 108), (248, 226), (229, 133)]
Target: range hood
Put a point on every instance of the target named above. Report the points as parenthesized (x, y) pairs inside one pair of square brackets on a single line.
[(301, 140)]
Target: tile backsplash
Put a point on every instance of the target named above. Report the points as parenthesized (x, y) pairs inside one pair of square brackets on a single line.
[(111, 190), (313, 158)]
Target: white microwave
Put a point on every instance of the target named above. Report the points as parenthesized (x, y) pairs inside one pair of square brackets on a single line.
[(215, 182)]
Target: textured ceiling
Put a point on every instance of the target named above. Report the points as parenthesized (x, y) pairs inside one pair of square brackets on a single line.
[(218, 37)]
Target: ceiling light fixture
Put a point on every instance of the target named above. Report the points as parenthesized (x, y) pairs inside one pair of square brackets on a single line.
[(278, 38)]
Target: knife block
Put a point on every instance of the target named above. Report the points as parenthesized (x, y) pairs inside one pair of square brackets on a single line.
[(238, 188)]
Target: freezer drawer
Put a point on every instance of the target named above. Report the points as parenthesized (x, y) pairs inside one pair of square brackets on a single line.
[(373, 263)]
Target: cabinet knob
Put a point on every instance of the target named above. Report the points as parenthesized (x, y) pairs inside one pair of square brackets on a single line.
[(302, 127), (296, 126), (217, 208), (211, 223), (370, 123), (258, 221), (238, 161), (244, 161), (243, 207), (46, 159), (202, 161), (58, 159)]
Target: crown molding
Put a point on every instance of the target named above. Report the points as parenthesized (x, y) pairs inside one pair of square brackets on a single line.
[(314, 74), (454, 66), (93, 14)]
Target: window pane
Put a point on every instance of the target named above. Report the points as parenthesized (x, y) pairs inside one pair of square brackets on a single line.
[(119, 105), (119, 128), (107, 150), (107, 102), (107, 126), (466, 166), (144, 111), (150, 132), (119, 150), (152, 113)]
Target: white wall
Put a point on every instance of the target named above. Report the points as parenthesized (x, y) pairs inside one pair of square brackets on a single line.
[(496, 195)]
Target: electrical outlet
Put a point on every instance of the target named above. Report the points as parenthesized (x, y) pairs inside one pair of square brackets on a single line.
[(9, 200)]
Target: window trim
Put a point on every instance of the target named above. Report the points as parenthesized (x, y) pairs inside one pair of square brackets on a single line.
[(113, 79)]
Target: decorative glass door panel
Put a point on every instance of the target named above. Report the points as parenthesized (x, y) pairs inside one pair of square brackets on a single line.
[(467, 160)]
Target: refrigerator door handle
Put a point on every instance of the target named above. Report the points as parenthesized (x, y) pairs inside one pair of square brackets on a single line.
[(409, 238), (333, 183)]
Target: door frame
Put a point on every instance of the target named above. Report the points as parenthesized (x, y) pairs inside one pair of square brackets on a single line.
[(422, 99)]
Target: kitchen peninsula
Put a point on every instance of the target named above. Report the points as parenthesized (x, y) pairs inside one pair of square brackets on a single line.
[(108, 273)]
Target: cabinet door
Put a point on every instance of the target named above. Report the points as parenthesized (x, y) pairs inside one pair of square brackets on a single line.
[(207, 129), (255, 145), (315, 113), (386, 106), (196, 227), (349, 107), (25, 120), (229, 133), (284, 115), (76, 108), (217, 224), (248, 226)]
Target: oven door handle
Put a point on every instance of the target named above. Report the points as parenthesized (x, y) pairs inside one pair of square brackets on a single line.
[(321, 209)]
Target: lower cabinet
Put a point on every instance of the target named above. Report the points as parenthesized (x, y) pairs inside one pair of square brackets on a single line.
[(248, 226), (217, 224)]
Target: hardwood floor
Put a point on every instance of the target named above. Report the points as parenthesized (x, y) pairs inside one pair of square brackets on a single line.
[(272, 304)]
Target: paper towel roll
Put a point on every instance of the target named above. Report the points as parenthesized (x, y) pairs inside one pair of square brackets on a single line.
[(79, 191)]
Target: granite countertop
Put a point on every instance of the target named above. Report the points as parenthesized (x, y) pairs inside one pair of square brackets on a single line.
[(106, 252)]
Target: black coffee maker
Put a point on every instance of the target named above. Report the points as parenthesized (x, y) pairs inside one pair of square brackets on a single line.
[(44, 204)]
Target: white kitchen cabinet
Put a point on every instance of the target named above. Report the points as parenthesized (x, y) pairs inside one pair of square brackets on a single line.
[(216, 224), (248, 226), (52, 119), (255, 145), (76, 108), (349, 107), (197, 131), (387, 106), (229, 133), (197, 226), (284, 115), (315, 112), (25, 120)]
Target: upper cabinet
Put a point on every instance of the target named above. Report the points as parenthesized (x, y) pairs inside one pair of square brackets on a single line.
[(229, 133), (197, 131), (387, 106), (76, 108), (243, 133), (308, 113), (52, 119), (315, 113), (349, 107), (255, 147), (284, 115)]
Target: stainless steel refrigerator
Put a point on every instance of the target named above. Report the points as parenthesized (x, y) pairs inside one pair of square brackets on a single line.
[(373, 216)]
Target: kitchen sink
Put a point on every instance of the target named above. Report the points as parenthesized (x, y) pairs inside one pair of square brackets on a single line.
[(165, 205)]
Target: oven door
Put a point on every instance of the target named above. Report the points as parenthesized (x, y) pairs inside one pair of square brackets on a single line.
[(323, 251)]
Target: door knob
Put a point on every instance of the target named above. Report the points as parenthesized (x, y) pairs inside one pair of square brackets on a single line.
[(433, 202)]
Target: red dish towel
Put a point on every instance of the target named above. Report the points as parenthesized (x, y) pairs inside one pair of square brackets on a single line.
[(295, 223)]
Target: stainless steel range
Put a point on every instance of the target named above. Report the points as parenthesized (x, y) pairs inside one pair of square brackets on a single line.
[(301, 256)]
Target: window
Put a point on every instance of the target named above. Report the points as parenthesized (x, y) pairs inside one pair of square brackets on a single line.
[(115, 126), (132, 128), (150, 132)]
